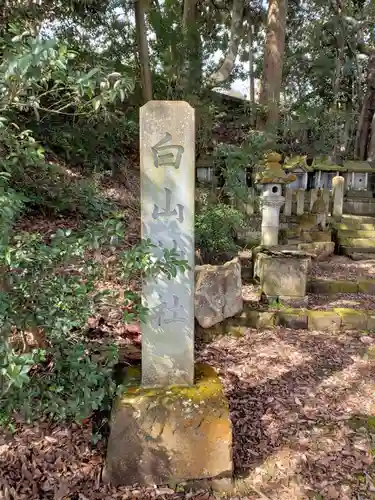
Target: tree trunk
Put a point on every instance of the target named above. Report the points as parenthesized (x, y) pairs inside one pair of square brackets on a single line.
[(192, 71), (146, 81), (223, 73), (273, 62), (367, 112), (250, 40)]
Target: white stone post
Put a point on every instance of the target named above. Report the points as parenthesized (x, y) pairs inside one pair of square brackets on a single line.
[(271, 201), (313, 197), (167, 152), (338, 184), (305, 179), (300, 193), (288, 202), (319, 179), (326, 197)]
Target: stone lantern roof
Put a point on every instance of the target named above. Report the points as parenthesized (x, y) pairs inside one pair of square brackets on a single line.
[(273, 173)]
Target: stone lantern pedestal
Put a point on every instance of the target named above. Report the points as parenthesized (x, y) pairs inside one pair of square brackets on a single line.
[(271, 180), (271, 202)]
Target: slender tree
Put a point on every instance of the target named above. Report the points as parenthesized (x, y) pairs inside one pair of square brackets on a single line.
[(273, 62), (144, 59)]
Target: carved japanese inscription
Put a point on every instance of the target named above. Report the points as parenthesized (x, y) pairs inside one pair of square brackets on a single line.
[(167, 200)]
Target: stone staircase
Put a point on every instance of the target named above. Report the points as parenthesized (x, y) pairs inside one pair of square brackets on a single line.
[(355, 236)]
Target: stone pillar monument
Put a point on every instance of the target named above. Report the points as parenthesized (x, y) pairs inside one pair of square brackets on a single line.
[(171, 422), (271, 179), (167, 150), (338, 184), (288, 202), (300, 194)]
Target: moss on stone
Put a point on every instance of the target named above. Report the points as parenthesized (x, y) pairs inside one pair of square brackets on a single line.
[(328, 287), (352, 318), (266, 320), (207, 386), (370, 320), (321, 236), (323, 320), (366, 286), (293, 318), (370, 353)]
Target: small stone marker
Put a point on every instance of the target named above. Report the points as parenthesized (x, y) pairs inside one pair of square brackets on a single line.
[(313, 197), (300, 193), (167, 153), (338, 183), (288, 202), (326, 198)]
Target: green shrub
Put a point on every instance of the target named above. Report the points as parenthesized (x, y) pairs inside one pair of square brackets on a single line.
[(216, 227), (50, 289)]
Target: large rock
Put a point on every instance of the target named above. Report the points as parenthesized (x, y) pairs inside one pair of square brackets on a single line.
[(218, 292), (171, 434)]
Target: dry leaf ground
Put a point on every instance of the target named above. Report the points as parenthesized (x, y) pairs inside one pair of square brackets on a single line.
[(300, 404)]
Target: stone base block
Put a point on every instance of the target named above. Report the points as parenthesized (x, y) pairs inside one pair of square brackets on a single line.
[(352, 319), (294, 302), (324, 320), (295, 319), (283, 276), (173, 434)]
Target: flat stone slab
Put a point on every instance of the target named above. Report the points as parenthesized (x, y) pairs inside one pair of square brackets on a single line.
[(172, 434)]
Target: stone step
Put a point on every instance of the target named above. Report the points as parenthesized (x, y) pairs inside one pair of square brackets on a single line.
[(355, 253), (356, 233), (356, 256), (300, 319), (354, 226), (362, 219), (358, 243), (330, 287)]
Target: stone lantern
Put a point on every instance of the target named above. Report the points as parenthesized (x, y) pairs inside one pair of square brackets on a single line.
[(271, 180)]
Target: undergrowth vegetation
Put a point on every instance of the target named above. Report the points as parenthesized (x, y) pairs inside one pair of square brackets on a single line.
[(49, 287)]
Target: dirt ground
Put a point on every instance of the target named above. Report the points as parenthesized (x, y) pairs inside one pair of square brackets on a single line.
[(301, 405)]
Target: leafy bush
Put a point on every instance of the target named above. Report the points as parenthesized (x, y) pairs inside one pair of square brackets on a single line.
[(48, 292), (38, 78), (215, 228)]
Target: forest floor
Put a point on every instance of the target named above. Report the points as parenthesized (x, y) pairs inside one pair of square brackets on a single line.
[(301, 405)]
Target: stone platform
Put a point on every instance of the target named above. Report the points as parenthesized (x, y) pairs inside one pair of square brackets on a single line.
[(162, 435)]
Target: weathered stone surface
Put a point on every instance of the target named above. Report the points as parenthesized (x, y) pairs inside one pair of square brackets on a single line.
[(283, 276), (167, 157), (321, 235), (366, 286), (288, 202), (352, 319), (246, 260), (320, 249), (296, 320), (294, 302), (327, 287), (218, 292), (160, 435), (338, 183), (300, 196), (324, 320), (370, 320)]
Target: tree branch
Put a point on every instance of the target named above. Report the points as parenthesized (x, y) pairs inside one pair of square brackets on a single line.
[(223, 73)]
